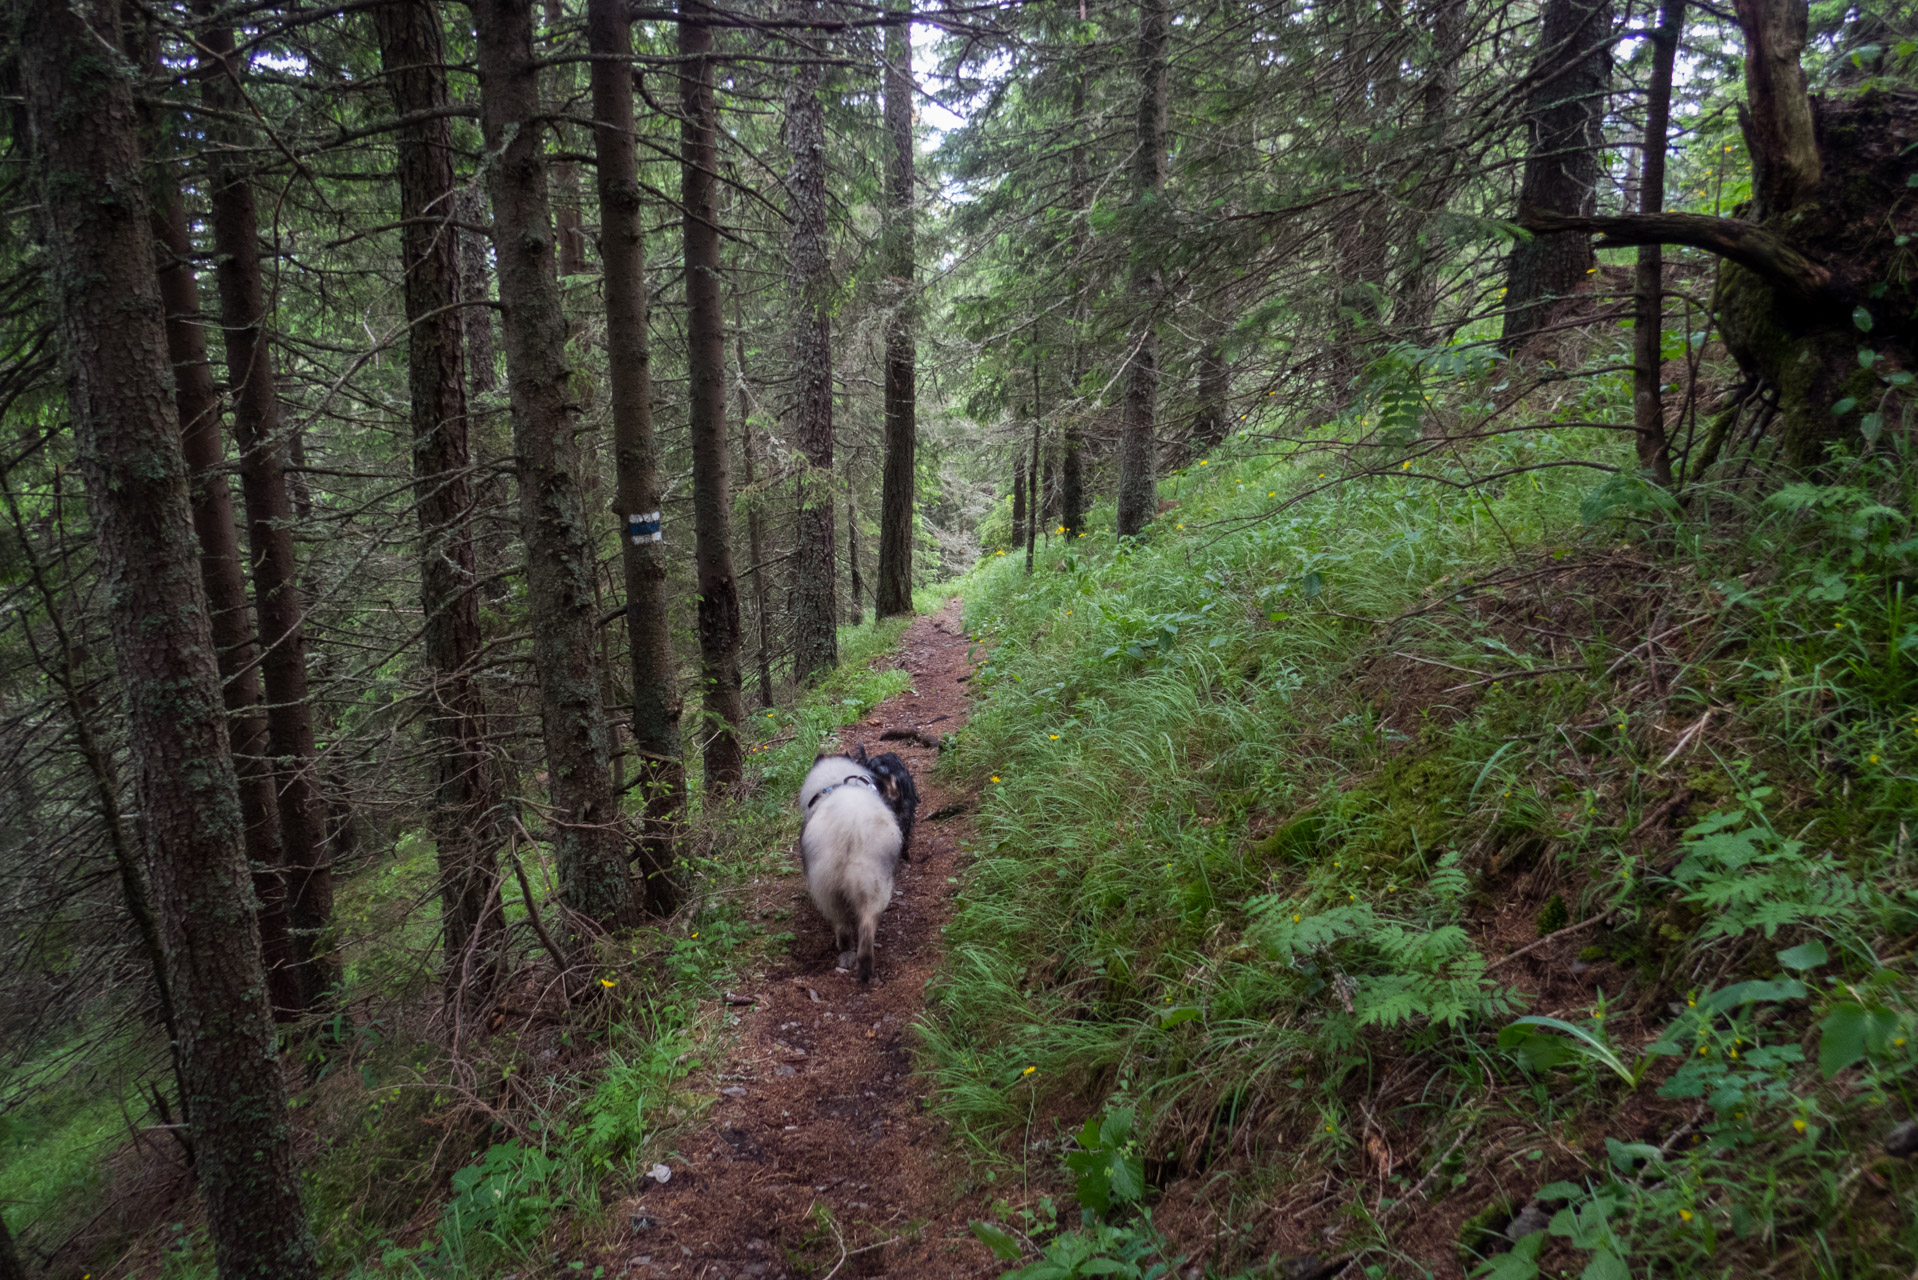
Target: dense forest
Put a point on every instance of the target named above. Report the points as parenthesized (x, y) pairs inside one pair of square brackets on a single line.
[(1385, 528)]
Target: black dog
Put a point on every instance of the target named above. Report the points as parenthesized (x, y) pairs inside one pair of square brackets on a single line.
[(895, 784)]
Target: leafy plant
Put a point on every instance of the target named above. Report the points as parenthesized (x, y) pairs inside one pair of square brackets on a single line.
[(1107, 1165)]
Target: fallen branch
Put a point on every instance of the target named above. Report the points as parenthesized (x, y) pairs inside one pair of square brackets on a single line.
[(1554, 936), (914, 736), (532, 908), (1751, 246)]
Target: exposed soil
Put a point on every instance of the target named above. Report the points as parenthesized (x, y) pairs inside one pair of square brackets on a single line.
[(817, 1157)]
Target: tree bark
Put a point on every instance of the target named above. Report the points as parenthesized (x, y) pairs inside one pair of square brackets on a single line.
[(856, 614), (111, 323), (755, 520), (1565, 111), (1072, 493), (1019, 490), (569, 233), (894, 595), (1210, 425), (1035, 505), (1435, 171), (815, 589), (197, 402), (469, 821), (655, 720), (476, 312), (278, 598), (719, 627), (1138, 483), (588, 844), (1648, 319), (1777, 117)]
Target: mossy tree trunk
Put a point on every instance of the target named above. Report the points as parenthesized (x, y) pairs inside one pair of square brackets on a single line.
[(655, 719), (267, 495), (1810, 296), (1565, 112), (894, 593), (1138, 443), (110, 320), (468, 816), (589, 846), (814, 593), (719, 628)]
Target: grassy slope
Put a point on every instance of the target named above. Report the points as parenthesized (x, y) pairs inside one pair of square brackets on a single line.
[(1271, 794)]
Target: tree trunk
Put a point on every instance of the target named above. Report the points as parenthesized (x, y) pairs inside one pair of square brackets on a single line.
[(856, 614), (1019, 490), (198, 404), (110, 319), (262, 442), (1211, 423), (706, 415), (1048, 497), (1648, 405), (1036, 503), (894, 595), (469, 823), (1799, 285), (755, 537), (482, 360), (1072, 491), (570, 234), (222, 571), (1777, 116), (1433, 175), (1138, 462), (815, 639), (1565, 111), (588, 845), (635, 456)]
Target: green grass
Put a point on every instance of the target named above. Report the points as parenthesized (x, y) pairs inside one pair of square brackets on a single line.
[(52, 1147), (1257, 783)]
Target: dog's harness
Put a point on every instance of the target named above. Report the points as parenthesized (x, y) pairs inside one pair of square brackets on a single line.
[(852, 779)]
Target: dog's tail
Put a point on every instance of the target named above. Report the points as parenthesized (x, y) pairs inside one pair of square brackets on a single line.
[(868, 925)]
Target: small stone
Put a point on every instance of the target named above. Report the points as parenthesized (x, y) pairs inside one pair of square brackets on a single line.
[(1903, 1140), (1531, 1220), (734, 1092), (660, 1173)]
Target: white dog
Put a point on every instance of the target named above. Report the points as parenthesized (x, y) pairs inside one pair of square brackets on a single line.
[(850, 849)]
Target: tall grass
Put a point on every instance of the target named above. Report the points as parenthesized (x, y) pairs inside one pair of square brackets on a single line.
[(1255, 786)]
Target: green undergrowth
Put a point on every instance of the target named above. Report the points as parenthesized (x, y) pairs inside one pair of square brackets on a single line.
[(597, 1101), (506, 1156), (1270, 791)]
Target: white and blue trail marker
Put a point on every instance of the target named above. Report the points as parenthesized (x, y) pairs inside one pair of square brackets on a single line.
[(644, 528)]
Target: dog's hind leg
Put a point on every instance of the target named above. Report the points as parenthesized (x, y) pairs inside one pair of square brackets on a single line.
[(867, 928)]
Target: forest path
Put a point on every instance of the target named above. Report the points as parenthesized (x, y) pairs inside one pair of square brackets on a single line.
[(817, 1157)]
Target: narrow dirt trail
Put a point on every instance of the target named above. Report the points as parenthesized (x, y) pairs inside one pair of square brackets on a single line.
[(817, 1157)]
